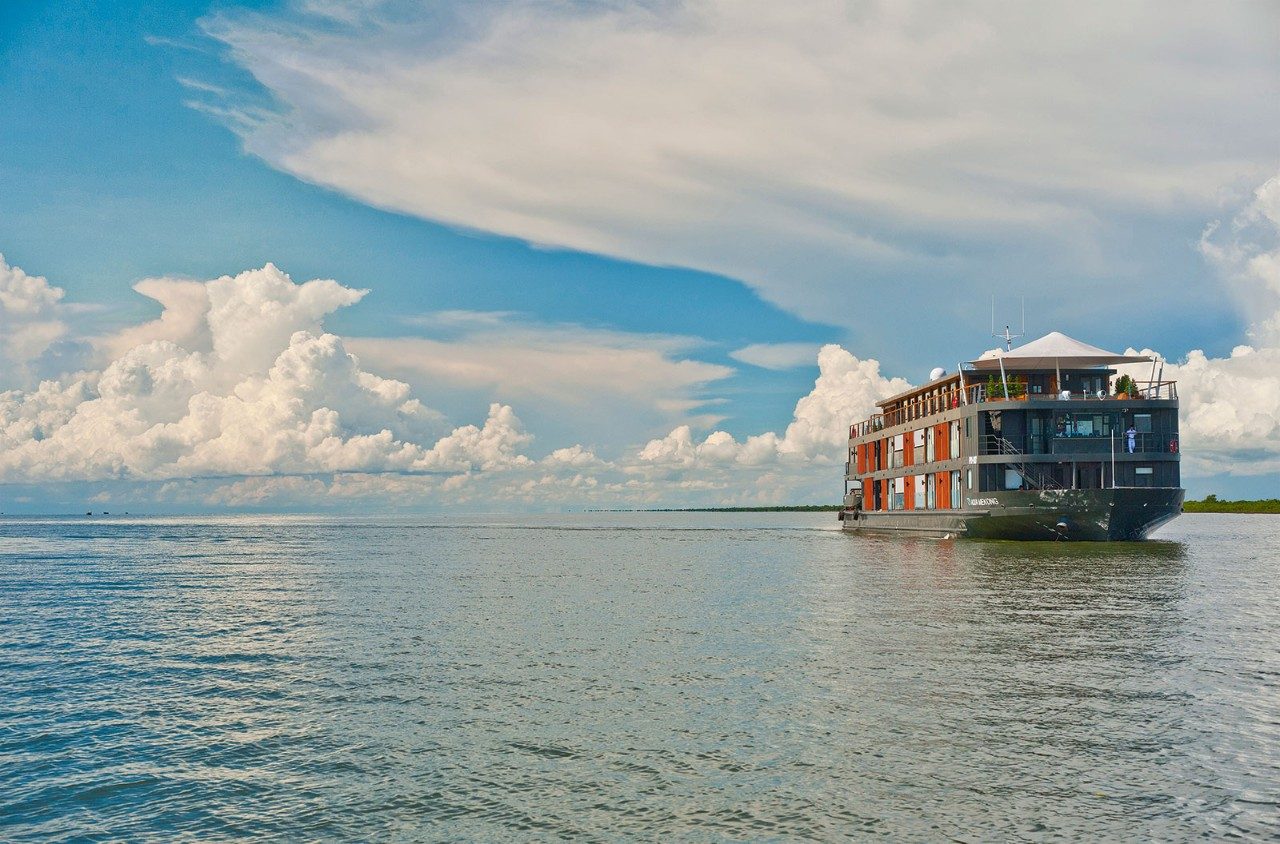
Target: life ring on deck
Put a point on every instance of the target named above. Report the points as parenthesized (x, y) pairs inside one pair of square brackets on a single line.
[(1173, 446)]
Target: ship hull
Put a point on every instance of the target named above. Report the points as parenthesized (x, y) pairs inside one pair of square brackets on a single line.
[(1090, 515)]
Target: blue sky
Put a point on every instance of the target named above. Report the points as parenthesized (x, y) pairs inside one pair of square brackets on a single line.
[(511, 177), (111, 177)]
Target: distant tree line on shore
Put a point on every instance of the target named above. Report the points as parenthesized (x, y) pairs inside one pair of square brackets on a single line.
[(1209, 504), (1212, 504), (790, 508)]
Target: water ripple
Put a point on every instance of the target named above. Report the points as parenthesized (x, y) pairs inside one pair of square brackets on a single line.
[(701, 677)]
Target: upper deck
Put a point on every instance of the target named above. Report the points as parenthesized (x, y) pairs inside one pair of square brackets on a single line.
[(1054, 368)]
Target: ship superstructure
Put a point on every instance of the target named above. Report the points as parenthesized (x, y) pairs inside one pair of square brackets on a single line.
[(1027, 443)]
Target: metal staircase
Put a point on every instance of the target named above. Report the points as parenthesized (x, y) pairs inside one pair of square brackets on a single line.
[(1007, 449)]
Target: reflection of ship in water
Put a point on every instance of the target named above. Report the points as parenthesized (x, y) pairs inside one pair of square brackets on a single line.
[(1027, 443)]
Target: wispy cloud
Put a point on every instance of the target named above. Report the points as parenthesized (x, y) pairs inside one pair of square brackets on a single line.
[(591, 383), (808, 148), (459, 319), (777, 355), (203, 87)]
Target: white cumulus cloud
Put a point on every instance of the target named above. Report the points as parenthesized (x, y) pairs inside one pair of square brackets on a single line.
[(1247, 252), (846, 390), (237, 379), (1231, 406), (258, 389), (495, 445), (31, 320)]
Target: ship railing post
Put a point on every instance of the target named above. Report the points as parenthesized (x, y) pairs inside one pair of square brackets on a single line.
[(1113, 458)]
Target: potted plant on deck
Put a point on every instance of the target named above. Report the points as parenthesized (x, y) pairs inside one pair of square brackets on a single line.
[(995, 388), (1125, 387)]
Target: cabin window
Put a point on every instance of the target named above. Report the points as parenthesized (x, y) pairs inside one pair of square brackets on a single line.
[(899, 491), (969, 479), (1143, 476), (955, 440), (955, 489), (931, 491), (897, 459), (918, 494), (928, 445), (1142, 423)]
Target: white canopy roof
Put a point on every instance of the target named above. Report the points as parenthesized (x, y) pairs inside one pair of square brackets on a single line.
[(1054, 350)]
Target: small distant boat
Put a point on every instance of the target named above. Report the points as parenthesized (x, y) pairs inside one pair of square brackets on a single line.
[(1027, 443)]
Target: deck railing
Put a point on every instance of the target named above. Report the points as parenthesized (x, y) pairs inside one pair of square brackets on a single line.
[(1157, 389), (1146, 442), (977, 394)]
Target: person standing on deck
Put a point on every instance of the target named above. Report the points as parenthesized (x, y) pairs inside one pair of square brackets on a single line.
[(1132, 434)]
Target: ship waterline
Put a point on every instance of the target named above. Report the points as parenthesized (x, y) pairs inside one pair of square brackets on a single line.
[(1030, 444)]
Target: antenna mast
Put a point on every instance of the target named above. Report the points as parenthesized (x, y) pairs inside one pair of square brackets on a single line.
[(1008, 337)]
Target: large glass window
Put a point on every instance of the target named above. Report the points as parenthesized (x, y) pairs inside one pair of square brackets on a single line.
[(1142, 423), (1085, 424)]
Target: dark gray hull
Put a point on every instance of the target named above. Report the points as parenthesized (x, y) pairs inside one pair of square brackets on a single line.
[(1091, 515)]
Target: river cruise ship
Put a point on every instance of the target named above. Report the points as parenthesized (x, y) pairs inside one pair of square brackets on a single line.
[(1026, 443)]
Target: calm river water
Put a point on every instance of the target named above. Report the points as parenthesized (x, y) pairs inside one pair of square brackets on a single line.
[(657, 676)]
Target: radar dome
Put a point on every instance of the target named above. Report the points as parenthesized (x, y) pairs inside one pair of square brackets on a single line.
[(936, 373)]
